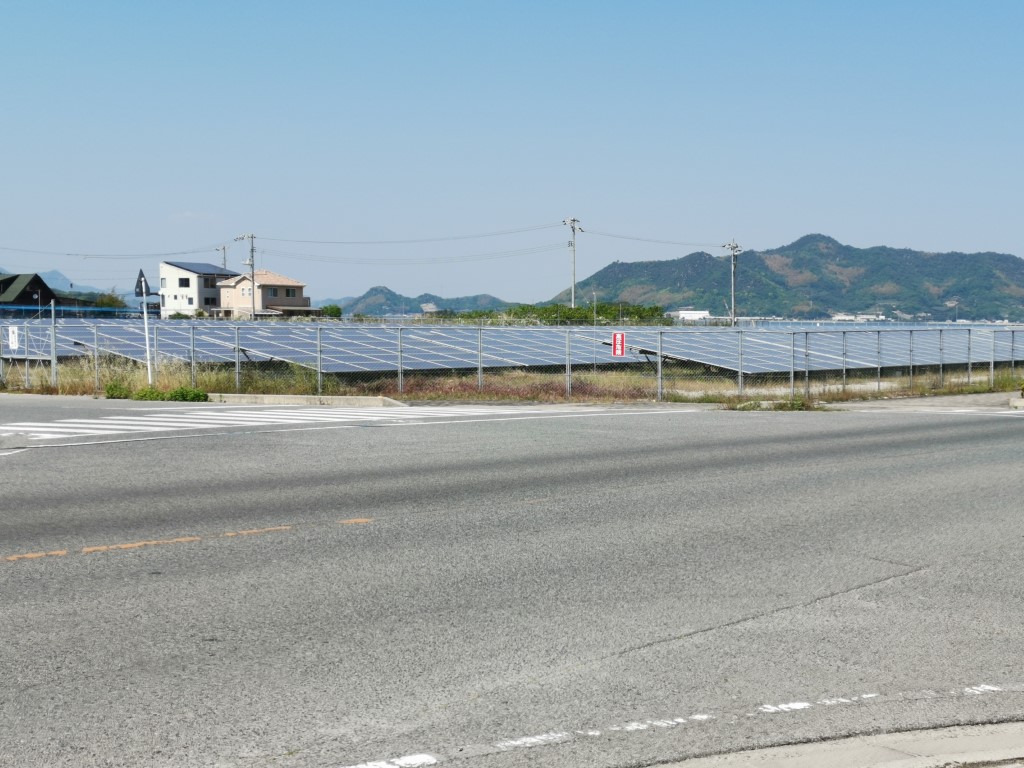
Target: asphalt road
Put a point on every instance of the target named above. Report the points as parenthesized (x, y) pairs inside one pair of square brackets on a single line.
[(555, 587)]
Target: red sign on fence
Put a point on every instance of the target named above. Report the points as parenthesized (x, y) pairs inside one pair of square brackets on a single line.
[(619, 344)]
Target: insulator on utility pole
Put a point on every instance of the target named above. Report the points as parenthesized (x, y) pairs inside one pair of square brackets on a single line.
[(251, 264), (574, 224), (736, 251)]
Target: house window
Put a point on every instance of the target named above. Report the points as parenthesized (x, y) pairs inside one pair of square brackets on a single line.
[(190, 302), (183, 282), (210, 301), (273, 293), (163, 300), (289, 293), (209, 282), (163, 282)]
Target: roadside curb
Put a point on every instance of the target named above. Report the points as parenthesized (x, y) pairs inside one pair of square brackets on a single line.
[(974, 745), (341, 401)]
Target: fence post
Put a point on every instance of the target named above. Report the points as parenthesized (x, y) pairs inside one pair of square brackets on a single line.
[(28, 379), (568, 365), (792, 365), (992, 362), (319, 361), (1013, 353), (2, 379), (238, 361), (942, 379), (156, 353), (911, 350), (807, 365), (480, 359), (844, 361), (661, 370), (739, 367), (878, 361), (969, 356), (192, 354), (53, 343), (401, 372), (96, 355)]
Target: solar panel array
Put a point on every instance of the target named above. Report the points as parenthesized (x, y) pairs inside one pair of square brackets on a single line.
[(354, 348)]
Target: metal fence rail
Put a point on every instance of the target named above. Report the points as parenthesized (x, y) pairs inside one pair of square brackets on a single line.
[(575, 362)]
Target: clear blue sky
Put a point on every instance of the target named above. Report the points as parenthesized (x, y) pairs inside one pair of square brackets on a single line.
[(144, 128)]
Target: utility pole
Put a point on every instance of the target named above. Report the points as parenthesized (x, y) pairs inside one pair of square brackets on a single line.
[(224, 256), (574, 224), (736, 251), (251, 264)]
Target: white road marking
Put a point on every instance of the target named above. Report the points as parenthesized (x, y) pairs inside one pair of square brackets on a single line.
[(196, 419), (409, 761), (556, 737)]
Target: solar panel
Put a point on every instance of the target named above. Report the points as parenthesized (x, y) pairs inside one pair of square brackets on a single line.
[(355, 348)]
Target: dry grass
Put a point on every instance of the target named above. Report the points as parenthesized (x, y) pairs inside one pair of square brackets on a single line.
[(81, 377)]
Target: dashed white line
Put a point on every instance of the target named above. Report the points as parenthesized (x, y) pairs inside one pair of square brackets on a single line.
[(557, 737)]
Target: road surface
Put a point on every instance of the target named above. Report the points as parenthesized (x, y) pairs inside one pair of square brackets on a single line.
[(498, 586)]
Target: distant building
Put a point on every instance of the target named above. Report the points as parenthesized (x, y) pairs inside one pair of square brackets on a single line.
[(25, 294), (187, 287), (275, 296), (689, 314), (845, 317)]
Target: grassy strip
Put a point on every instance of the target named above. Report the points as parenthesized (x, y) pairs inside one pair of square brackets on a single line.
[(120, 377)]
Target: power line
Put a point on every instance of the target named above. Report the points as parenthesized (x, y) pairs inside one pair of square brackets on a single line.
[(489, 256), (415, 240), (651, 240), (113, 256)]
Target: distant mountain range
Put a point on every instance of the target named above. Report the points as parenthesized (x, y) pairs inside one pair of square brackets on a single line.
[(816, 276), (383, 301), (811, 278)]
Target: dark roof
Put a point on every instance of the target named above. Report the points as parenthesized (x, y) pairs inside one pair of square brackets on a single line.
[(11, 286), (200, 268)]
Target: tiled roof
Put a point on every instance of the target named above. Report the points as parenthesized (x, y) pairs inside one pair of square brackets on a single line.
[(201, 268), (264, 277)]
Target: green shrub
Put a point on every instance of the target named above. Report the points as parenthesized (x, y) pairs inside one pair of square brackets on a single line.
[(149, 393), (117, 390), (188, 395)]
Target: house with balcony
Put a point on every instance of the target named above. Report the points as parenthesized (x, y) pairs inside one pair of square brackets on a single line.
[(273, 295), (189, 287)]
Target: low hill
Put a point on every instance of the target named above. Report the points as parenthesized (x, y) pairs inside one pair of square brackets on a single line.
[(383, 301), (816, 276)]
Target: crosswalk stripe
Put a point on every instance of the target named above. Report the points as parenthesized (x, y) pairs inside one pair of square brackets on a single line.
[(164, 421)]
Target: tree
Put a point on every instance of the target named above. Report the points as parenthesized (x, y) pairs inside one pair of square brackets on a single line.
[(110, 300), (331, 310)]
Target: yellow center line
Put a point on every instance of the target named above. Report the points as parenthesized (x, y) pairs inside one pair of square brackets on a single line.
[(36, 555), (161, 542), (139, 544), (256, 531)]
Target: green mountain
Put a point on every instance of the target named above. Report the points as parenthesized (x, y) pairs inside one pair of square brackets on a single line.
[(816, 276), (383, 301)]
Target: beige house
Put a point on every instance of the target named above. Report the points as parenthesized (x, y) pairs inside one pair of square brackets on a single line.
[(276, 295)]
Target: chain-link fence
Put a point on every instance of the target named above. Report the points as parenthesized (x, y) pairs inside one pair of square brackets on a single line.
[(517, 363)]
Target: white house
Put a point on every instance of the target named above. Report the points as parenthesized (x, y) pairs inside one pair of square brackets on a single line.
[(186, 287)]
